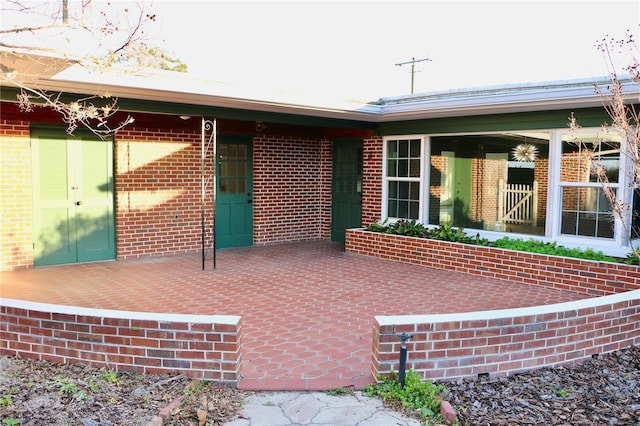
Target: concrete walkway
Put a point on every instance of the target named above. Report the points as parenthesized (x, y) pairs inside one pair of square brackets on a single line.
[(317, 409)]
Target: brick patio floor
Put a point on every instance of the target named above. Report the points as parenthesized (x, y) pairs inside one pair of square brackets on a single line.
[(307, 308)]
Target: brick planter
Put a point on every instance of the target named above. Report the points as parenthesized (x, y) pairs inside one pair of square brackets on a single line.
[(501, 342), (561, 273)]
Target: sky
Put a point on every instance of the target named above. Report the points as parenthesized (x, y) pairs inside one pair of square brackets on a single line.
[(351, 48)]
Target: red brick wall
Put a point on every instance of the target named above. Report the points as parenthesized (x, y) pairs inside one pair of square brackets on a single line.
[(158, 192), (16, 225), (501, 342), (292, 190), (465, 345), (582, 276), (158, 181), (199, 346), (371, 180)]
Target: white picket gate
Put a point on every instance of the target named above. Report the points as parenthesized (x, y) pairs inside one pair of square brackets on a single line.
[(517, 203)]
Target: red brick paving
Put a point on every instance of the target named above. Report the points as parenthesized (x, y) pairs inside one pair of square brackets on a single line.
[(307, 308)]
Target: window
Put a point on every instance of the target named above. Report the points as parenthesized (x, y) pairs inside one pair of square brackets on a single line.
[(587, 159), (538, 183), (495, 182), (403, 178)]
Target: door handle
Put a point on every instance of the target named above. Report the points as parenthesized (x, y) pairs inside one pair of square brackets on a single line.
[(78, 203)]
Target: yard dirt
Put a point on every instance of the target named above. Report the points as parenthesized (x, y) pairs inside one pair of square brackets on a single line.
[(604, 390)]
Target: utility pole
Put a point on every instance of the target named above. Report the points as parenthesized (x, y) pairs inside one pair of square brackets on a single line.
[(413, 63)]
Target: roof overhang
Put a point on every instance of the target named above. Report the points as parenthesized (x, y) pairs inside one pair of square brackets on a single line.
[(55, 74)]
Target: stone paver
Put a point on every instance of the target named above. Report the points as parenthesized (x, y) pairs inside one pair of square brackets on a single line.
[(317, 409)]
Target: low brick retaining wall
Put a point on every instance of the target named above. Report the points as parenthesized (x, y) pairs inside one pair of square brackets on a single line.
[(501, 342), (198, 346), (582, 276)]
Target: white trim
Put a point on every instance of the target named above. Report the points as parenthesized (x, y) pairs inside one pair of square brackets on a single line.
[(386, 179), (108, 313), (509, 313), (180, 88)]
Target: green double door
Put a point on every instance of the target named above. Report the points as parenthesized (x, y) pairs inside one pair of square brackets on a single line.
[(234, 199), (346, 191), (73, 205)]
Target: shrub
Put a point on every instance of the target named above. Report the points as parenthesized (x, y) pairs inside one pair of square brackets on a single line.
[(423, 397), (447, 232)]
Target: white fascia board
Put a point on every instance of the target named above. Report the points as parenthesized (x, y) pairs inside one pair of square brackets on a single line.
[(177, 88), (498, 101)]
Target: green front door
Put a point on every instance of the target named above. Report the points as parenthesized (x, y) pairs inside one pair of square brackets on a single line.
[(72, 197), (234, 201), (346, 193)]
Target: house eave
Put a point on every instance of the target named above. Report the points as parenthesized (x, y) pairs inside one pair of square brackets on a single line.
[(186, 90)]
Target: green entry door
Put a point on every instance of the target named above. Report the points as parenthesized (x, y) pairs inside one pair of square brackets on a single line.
[(346, 193), (234, 201), (72, 198)]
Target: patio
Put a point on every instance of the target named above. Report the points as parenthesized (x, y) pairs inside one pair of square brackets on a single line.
[(307, 308)]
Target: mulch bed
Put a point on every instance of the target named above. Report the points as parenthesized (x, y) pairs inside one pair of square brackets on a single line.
[(43, 393), (604, 390)]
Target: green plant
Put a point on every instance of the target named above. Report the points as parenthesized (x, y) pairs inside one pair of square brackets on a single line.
[(110, 376), (416, 394), (339, 391), (6, 400), (64, 385), (633, 258), (447, 232), (10, 422), (550, 248)]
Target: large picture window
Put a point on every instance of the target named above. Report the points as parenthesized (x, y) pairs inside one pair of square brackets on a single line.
[(493, 182), (539, 183)]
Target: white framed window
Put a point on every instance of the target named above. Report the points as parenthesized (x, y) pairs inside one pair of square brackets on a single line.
[(537, 183), (403, 177), (584, 208)]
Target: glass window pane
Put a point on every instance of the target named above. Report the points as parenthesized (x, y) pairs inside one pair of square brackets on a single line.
[(586, 211), (242, 152), (393, 190), (392, 168), (403, 168), (414, 149), (414, 209), (403, 209), (223, 150), (242, 185), (403, 190), (392, 208), (497, 182), (585, 155), (414, 168), (392, 149), (403, 149)]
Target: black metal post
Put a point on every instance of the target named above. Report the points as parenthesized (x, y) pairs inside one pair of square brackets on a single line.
[(403, 357)]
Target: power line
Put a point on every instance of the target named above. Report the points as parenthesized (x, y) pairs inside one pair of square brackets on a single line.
[(413, 63)]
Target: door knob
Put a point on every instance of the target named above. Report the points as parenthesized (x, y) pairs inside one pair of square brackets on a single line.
[(78, 203)]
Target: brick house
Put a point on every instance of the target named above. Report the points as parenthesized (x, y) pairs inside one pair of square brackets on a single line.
[(494, 160)]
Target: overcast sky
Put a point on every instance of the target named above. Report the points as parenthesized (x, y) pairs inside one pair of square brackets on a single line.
[(351, 48)]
